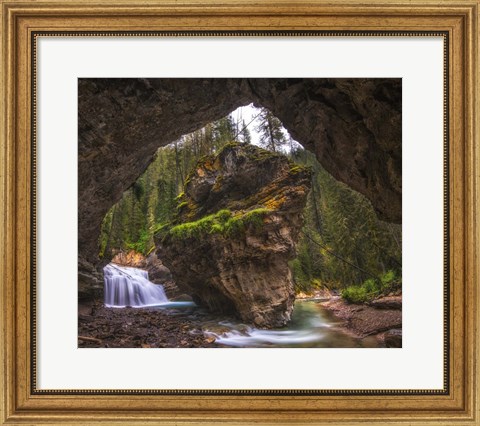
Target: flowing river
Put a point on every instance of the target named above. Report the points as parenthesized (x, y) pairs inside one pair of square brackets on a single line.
[(312, 326)]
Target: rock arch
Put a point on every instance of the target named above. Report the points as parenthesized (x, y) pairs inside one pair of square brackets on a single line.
[(352, 125)]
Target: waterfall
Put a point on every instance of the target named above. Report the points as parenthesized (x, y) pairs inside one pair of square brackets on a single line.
[(126, 286)]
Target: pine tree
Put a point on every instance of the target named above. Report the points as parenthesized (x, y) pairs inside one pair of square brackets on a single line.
[(245, 133), (224, 131), (343, 241), (271, 132)]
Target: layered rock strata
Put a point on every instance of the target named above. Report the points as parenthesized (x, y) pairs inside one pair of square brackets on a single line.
[(238, 224)]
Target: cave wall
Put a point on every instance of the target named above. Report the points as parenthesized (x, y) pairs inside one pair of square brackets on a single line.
[(352, 125)]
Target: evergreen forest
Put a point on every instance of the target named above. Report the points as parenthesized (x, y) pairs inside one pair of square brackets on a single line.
[(343, 248)]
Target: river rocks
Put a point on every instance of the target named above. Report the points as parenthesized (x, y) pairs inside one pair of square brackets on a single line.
[(393, 338), (364, 320), (387, 302), (352, 125), (238, 223), (143, 328)]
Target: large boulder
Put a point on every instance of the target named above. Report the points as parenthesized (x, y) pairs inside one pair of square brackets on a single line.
[(393, 338), (238, 224)]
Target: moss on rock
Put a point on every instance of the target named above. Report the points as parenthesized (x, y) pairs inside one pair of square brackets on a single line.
[(223, 222)]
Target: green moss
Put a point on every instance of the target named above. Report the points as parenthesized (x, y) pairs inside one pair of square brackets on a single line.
[(159, 227), (216, 228), (260, 154), (233, 226), (223, 222), (150, 250), (223, 215), (192, 229), (228, 145), (294, 169), (255, 217), (254, 152), (181, 205)]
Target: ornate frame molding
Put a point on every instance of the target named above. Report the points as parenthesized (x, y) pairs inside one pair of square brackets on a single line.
[(21, 20)]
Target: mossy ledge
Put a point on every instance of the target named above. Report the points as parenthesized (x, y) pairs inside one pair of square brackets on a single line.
[(224, 222)]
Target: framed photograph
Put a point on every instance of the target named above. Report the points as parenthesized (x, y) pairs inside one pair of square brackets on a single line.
[(239, 213)]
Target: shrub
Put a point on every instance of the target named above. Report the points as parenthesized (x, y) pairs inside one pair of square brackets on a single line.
[(372, 288), (389, 282), (355, 294)]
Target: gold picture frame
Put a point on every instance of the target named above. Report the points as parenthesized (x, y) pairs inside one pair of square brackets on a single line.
[(22, 403)]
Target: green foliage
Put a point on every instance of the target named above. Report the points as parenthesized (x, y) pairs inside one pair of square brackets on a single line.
[(372, 288), (105, 233), (157, 196), (223, 222), (225, 130), (142, 245), (159, 227), (341, 229), (138, 190), (303, 276), (388, 278), (245, 134), (356, 294)]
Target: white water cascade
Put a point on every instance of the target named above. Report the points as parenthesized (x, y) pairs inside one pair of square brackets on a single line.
[(125, 286)]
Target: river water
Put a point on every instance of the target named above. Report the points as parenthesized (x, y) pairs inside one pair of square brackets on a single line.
[(312, 326)]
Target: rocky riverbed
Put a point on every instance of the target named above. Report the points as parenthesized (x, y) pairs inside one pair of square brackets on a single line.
[(381, 318), (184, 325), (101, 327)]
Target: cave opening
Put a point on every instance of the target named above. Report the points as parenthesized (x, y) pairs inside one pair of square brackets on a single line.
[(342, 245)]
